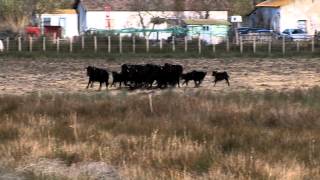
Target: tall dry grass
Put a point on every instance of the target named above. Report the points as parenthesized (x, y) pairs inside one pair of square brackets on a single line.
[(200, 135)]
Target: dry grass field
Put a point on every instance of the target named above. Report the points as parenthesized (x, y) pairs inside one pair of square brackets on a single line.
[(264, 126), (23, 76)]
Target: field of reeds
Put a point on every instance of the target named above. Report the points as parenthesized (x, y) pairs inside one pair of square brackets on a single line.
[(195, 135)]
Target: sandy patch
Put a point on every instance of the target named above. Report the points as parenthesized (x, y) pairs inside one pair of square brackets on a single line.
[(59, 76)]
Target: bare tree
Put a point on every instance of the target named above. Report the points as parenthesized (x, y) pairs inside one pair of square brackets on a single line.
[(207, 6), (16, 14)]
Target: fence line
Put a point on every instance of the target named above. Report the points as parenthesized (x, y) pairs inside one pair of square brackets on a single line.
[(252, 44)]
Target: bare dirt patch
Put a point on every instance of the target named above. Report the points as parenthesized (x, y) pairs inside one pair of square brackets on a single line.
[(23, 76)]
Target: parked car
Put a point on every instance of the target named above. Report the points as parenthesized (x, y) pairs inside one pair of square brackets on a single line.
[(295, 35), (243, 30), (247, 30), (259, 34), (8, 34)]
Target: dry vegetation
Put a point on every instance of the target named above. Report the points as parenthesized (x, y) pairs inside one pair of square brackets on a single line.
[(200, 135), (66, 75)]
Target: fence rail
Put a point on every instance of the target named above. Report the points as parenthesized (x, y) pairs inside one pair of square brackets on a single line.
[(133, 44)]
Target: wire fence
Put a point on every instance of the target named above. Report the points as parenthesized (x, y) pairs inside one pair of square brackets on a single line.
[(133, 44)]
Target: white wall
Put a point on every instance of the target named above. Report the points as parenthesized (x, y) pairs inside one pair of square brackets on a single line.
[(71, 28), (301, 10), (96, 20), (131, 19)]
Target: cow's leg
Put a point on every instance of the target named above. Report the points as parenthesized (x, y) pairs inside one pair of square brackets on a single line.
[(195, 83), (107, 84), (200, 82), (227, 80), (215, 82), (88, 84), (100, 86)]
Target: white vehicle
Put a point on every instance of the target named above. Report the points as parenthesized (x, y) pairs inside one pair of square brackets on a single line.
[(295, 35)]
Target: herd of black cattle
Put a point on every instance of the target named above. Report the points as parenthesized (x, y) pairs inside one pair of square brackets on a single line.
[(148, 75)]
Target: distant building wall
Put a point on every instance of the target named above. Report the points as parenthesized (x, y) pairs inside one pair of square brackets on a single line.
[(304, 14), (68, 22), (133, 19), (265, 17), (301, 12)]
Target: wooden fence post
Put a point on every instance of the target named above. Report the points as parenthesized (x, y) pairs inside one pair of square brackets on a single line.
[(44, 48), (228, 44), (147, 45), (19, 44), (8, 44), (161, 44), (312, 44), (213, 44), (54, 37), (254, 45), (283, 45), (120, 44), (134, 44), (82, 42), (270, 45), (30, 44), (109, 44), (173, 44), (186, 44), (199, 45), (95, 41), (58, 44), (241, 44), (71, 45)]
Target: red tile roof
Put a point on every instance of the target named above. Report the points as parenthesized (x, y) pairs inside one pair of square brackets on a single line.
[(274, 3)]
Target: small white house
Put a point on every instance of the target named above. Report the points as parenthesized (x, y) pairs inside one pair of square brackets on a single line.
[(287, 14), (121, 14), (67, 19)]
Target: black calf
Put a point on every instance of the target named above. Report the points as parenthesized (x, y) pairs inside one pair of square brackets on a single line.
[(220, 76), (196, 76), (117, 78), (97, 75)]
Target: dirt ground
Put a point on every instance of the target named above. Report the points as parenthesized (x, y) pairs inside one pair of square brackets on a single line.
[(25, 76)]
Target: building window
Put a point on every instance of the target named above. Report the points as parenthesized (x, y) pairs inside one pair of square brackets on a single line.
[(205, 28), (302, 24), (46, 21)]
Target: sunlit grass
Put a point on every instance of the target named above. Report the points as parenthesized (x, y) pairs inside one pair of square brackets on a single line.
[(243, 135)]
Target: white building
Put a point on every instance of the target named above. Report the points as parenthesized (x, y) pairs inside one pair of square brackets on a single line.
[(287, 14), (67, 19), (117, 15)]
